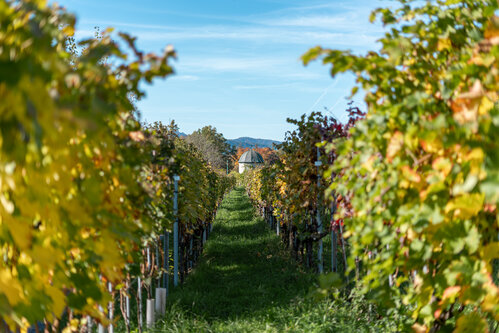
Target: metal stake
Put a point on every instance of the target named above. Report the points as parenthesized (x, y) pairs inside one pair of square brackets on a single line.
[(318, 163), (175, 231)]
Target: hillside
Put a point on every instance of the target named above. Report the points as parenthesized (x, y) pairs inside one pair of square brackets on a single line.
[(246, 142)]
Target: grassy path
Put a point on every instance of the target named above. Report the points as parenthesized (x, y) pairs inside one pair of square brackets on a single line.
[(246, 282)]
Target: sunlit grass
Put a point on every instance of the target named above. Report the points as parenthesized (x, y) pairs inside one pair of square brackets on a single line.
[(247, 282)]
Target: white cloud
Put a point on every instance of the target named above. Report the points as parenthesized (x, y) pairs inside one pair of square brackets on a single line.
[(264, 86), (262, 36), (319, 21), (335, 24), (229, 63)]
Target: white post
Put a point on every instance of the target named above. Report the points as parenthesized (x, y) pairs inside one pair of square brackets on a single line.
[(150, 313), (160, 305), (100, 327), (139, 307), (111, 308), (127, 308), (89, 324), (148, 267), (163, 301), (175, 231), (157, 297), (148, 258)]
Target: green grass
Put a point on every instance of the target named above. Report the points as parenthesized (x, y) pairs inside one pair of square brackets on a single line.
[(247, 282)]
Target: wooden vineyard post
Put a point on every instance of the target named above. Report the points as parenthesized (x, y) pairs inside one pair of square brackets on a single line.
[(318, 163), (175, 230)]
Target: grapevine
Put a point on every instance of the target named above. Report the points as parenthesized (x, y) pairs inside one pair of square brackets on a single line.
[(83, 186)]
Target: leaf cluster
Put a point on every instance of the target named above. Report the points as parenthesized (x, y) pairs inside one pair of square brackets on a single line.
[(82, 184), (421, 171)]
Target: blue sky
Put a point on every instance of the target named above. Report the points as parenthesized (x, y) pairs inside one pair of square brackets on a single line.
[(238, 66)]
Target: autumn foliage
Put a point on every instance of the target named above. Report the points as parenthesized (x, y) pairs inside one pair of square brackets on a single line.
[(421, 171), (268, 154), (83, 185)]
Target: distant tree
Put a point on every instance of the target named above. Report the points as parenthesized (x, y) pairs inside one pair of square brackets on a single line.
[(213, 146)]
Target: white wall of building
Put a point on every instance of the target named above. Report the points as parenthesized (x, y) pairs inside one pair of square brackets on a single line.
[(245, 166)]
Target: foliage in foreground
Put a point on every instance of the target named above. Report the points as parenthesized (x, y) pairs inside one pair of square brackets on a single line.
[(422, 171), (83, 187)]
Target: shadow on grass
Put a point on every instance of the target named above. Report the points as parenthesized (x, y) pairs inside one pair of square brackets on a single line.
[(244, 269)]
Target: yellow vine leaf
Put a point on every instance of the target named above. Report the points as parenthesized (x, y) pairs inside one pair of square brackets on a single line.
[(20, 231), (471, 322), (490, 252), (395, 144), (466, 206), (58, 298), (485, 106), (10, 287), (444, 44)]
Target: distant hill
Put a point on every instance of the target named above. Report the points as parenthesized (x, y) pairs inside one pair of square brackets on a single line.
[(247, 142)]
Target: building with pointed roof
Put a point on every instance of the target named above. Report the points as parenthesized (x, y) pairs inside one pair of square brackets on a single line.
[(250, 159)]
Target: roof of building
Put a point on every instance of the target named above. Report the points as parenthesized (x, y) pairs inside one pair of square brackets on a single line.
[(251, 156)]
